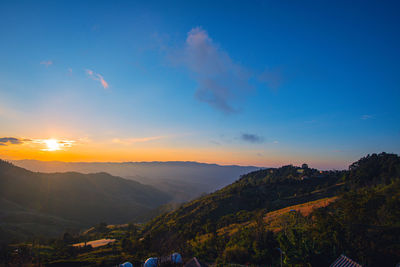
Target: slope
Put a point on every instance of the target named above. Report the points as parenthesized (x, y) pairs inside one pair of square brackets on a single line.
[(183, 180), (70, 199)]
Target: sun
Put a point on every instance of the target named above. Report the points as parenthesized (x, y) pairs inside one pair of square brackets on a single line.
[(52, 144)]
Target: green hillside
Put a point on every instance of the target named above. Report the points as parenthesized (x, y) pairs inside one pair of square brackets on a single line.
[(312, 216), (35, 203), (363, 221), (263, 190)]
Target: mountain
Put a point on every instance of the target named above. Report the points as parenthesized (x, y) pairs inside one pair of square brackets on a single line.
[(33, 203), (312, 216), (183, 180), (268, 190)]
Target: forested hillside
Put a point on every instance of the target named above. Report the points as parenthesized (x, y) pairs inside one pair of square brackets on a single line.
[(258, 191), (34, 204), (363, 222), (311, 216)]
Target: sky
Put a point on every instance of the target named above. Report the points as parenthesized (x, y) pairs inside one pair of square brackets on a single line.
[(264, 83)]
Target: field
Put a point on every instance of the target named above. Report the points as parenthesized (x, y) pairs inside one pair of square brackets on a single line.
[(273, 218), (95, 243)]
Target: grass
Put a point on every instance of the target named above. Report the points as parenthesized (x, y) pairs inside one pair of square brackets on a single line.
[(272, 219), (95, 243)]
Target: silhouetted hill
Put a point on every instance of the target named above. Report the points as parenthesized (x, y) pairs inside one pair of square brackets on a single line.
[(32, 200), (183, 180)]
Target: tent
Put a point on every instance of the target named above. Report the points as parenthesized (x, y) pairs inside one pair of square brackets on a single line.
[(343, 261), (151, 262), (126, 264), (176, 258)]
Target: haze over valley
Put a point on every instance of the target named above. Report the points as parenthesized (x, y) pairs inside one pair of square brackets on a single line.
[(181, 180)]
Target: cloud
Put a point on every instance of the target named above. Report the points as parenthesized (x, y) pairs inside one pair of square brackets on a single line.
[(252, 138), (46, 144), (366, 117), (221, 82), (129, 141), (215, 142), (4, 141), (97, 77), (47, 63), (54, 144)]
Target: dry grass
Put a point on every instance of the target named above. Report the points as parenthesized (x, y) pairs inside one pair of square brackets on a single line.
[(95, 243), (272, 219), (305, 209), (111, 226)]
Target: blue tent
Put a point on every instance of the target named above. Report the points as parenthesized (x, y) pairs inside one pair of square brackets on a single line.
[(151, 262), (176, 258), (126, 264)]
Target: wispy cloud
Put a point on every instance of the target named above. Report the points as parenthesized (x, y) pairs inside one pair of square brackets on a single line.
[(97, 77), (47, 63), (366, 117), (215, 142), (129, 141), (221, 81), (54, 144), (44, 144), (252, 138), (4, 141)]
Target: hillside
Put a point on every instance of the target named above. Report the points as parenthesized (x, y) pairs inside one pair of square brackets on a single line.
[(182, 180), (312, 216), (273, 219), (266, 190), (35, 203)]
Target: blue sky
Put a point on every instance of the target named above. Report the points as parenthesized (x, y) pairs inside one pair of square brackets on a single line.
[(233, 82)]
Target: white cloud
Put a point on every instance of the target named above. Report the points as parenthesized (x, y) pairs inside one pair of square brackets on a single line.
[(47, 63), (366, 117), (221, 81), (97, 77)]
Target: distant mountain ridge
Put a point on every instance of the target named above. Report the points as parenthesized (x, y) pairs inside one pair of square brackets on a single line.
[(31, 201), (185, 180)]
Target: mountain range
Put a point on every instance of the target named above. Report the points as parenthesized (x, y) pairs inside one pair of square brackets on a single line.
[(312, 216), (34, 203), (183, 180)]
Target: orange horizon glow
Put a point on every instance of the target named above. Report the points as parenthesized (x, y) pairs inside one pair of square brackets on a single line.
[(53, 149)]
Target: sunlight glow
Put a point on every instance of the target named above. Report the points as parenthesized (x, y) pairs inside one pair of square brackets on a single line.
[(52, 145)]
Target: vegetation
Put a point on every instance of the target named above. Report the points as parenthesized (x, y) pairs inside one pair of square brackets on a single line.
[(36, 204), (312, 217), (182, 180)]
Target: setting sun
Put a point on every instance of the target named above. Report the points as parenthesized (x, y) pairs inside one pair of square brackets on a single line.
[(52, 145)]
